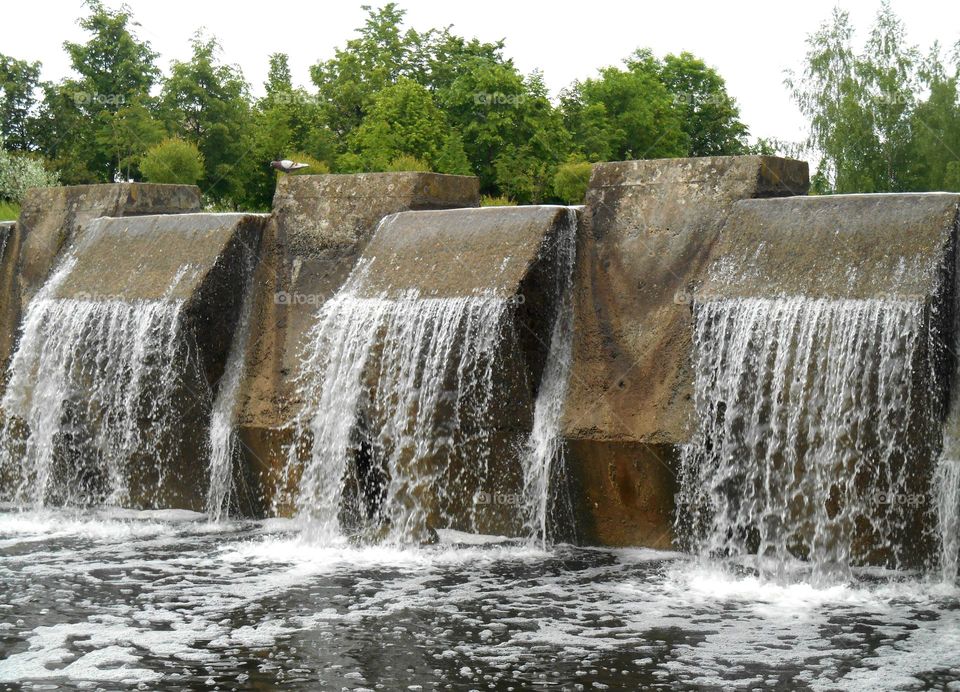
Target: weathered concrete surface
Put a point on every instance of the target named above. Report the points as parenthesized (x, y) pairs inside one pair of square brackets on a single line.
[(203, 261), (650, 229), (458, 252), (837, 246), (51, 217), (319, 227)]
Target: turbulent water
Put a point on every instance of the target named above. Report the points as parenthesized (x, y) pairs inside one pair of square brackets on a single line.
[(89, 407), (808, 426), (165, 600)]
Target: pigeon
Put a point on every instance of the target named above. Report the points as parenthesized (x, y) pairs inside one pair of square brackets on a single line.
[(288, 166)]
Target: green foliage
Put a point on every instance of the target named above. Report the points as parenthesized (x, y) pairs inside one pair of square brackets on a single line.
[(496, 201), (405, 121), (571, 180), (406, 163), (870, 124), (391, 98), (19, 83), (208, 103), (173, 161), (19, 172), (9, 211)]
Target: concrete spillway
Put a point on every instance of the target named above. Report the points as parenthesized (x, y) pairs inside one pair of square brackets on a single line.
[(388, 361)]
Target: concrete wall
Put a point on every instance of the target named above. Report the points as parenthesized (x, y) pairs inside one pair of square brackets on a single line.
[(650, 229), (319, 227)]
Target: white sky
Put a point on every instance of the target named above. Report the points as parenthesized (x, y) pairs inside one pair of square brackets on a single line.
[(751, 42)]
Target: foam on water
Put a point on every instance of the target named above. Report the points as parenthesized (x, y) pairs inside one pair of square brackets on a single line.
[(808, 428), (252, 604)]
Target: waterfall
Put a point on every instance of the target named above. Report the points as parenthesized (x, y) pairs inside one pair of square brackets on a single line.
[(543, 456), (222, 436), (398, 384), (808, 415), (89, 406)]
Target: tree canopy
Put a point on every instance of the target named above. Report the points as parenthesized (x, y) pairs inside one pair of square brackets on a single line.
[(392, 97)]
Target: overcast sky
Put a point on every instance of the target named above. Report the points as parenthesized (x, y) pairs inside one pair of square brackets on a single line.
[(751, 43)]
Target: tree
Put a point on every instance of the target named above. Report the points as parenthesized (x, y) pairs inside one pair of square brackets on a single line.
[(380, 55), (116, 69), (935, 128), (404, 121), (860, 105), (173, 161), (19, 84), (208, 103), (710, 117), (626, 114)]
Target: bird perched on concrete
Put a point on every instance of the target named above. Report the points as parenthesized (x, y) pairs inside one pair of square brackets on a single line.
[(288, 166)]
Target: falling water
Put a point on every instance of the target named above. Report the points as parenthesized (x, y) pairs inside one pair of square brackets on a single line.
[(223, 430), (91, 396), (400, 385), (808, 427), (543, 462)]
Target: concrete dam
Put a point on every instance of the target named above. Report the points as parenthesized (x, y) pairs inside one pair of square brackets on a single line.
[(701, 357)]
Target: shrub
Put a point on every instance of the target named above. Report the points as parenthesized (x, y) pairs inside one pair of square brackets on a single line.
[(407, 164), (173, 161), (20, 172), (571, 180), (501, 201)]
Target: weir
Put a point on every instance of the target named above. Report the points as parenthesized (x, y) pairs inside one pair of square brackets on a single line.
[(700, 357), (112, 380)]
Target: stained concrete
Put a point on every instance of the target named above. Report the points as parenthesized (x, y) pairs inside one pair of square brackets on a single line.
[(319, 226), (650, 229)]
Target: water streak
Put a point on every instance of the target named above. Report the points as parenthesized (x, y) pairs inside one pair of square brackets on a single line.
[(543, 466), (223, 429)]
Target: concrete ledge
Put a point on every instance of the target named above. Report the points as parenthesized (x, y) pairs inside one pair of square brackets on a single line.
[(842, 246)]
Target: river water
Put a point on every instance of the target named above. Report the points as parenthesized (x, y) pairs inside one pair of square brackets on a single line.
[(119, 599)]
